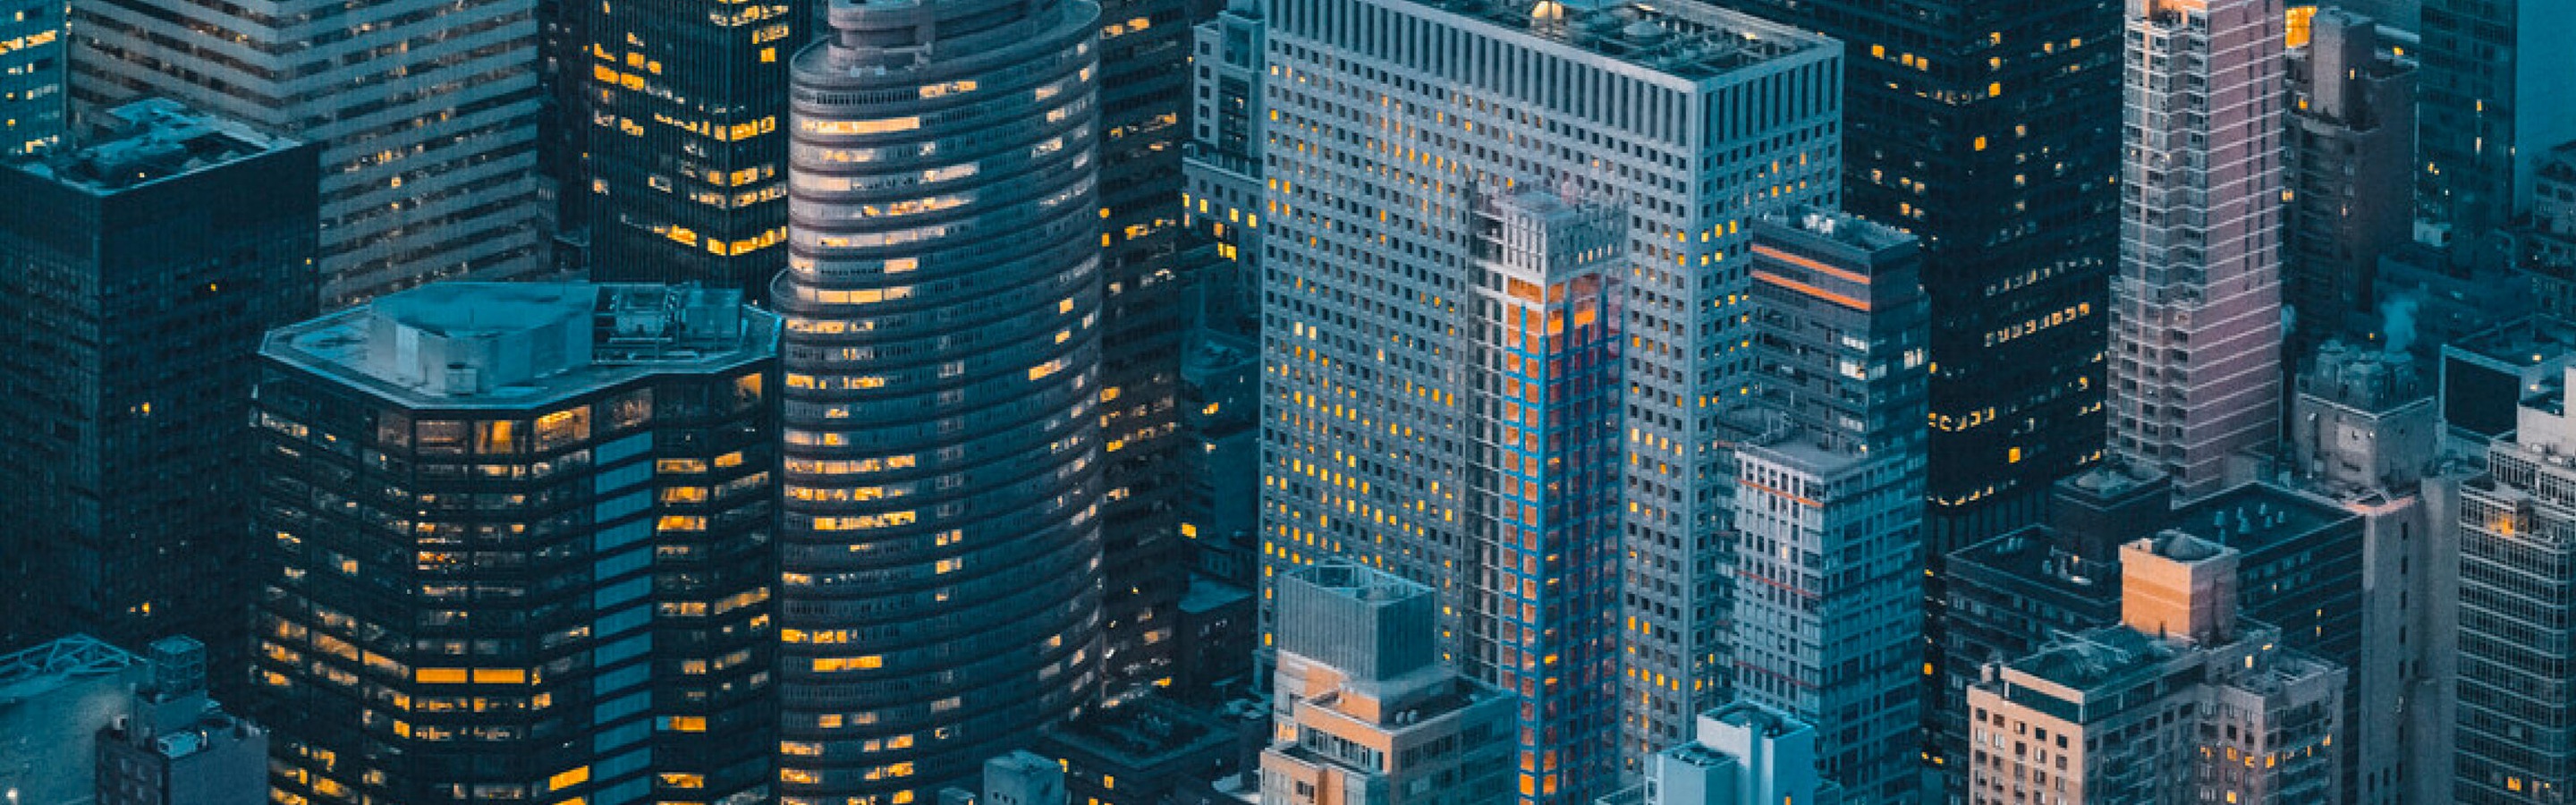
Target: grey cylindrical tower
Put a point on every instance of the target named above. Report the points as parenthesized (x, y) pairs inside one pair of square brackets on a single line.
[(941, 596)]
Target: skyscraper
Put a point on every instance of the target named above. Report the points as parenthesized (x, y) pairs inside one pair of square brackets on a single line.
[(2494, 102), (35, 75), (942, 583), (1828, 622), (516, 544), (2196, 312), (137, 273), (2517, 596), (1144, 95), (425, 114), (687, 154), (1545, 322), (1393, 118), (2351, 154), (1985, 128)]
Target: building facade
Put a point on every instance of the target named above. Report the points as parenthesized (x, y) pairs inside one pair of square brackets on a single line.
[(2493, 106), (942, 547), (1362, 710), (1223, 161), (2178, 703), (1145, 262), (174, 746), (2548, 254), (1741, 754), (2364, 433), (685, 139), (2196, 310), (1828, 621), (1380, 146), (137, 273), (425, 114), (1547, 337), (2351, 149), (515, 543), (2515, 591), (2012, 193), (35, 75)]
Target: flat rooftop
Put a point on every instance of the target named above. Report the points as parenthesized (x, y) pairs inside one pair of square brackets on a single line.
[(2522, 343), (1684, 40), (54, 698), (2252, 517), (2031, 554), (2094, 657), (467, 345), (155, 139), (1144, 733)]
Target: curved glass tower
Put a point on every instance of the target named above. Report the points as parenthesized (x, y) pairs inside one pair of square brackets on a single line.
[(941, 590)]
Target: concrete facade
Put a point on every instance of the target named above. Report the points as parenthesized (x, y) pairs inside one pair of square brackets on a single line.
[(1393, 117), (2196, 310), (426, 114)]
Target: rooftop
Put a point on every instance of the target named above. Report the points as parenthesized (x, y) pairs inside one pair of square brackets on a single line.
[(2091, 658), (2252, 517), (1763, 721), (151, 140), (1143, 733), (2368, 379), (1840, 227), (54, 698), (2114, 477), (1359, 583), (1684, 40), (2030, 554), (2523, 343), (1207, 594), (516, 345)]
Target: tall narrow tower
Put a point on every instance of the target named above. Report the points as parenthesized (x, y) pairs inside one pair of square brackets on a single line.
[(941, 588), (2196, 311)]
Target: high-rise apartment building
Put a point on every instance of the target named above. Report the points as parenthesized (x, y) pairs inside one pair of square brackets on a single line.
[(1392, 118), (1362, 709), (35, 75), (2181, 702), (1545, 322), (684, 109), (517, 544), (2516, 598), (2494, 101), (2196, 310), (2349, 171), (942, 554), (1145, 267), (1986, 129), (425, 114), (2364, 434), (137, 273), (1741, 754), (1828, 621)]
